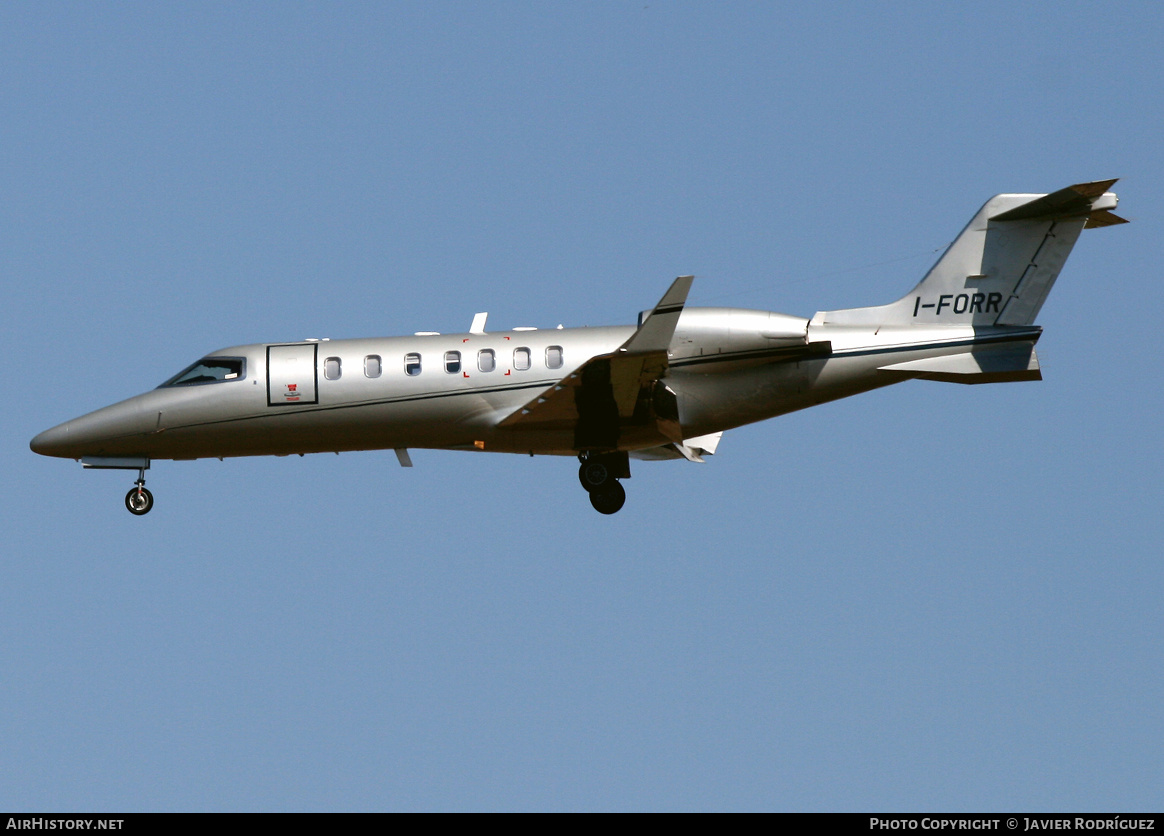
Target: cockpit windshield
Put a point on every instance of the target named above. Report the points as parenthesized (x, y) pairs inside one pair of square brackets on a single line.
[(209, 370)]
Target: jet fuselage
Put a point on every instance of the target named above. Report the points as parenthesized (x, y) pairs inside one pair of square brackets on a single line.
[(666, 388)]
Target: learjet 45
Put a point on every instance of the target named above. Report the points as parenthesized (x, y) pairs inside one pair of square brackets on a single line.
[(666, 388)]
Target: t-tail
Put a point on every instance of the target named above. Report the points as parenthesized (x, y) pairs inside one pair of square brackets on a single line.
[(1000, 269)]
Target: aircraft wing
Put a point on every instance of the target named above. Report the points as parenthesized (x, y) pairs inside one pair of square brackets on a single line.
[(611, 390)]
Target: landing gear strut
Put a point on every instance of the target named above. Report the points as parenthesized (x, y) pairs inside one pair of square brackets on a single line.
[(599, 474), (139, 500)]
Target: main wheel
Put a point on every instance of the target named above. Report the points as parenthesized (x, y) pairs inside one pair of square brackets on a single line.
[(139, 501), (595, 475), (610, 499)]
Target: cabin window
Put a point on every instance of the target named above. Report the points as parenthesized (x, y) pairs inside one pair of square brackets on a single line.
[(412, 364), (372, 365), (486, 360), (209, 370), (452, 362), (521, 359), (554, 357), (332, 368)]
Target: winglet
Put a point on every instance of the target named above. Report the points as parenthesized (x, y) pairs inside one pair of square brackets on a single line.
[(659, 326)]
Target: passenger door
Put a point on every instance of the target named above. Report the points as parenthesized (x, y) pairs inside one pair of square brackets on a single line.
[(291, 374)]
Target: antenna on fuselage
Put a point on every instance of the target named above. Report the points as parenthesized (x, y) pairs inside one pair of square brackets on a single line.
[(478, 326)]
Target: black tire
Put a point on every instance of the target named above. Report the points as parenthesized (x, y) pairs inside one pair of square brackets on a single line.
[(139, 501), (610, 499), (595, 475)]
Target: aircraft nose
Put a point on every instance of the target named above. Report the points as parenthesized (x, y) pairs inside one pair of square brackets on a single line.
[(117, 429), (51, 442)]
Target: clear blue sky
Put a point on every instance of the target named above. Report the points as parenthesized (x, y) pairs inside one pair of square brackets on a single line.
[(931, 597)]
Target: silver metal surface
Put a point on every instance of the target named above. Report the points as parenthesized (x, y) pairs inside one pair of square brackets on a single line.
[(667, 389)]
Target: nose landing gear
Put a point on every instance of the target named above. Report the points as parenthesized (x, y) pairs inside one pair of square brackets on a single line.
[(139, 500), (599, 475)]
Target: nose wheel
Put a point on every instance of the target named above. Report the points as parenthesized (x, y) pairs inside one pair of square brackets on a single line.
[(139, 500), (599, 475)]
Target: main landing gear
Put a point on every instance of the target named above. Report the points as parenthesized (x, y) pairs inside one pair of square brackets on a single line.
[(599, 474), (139, 500)]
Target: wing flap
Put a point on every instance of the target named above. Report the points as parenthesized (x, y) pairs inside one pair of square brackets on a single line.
[(692, 449)]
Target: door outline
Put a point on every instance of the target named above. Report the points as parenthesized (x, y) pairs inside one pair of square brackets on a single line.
[(277, 394)]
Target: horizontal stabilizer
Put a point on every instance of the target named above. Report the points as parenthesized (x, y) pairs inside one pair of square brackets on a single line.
[(1080, 199), (982, 365), (1103, 217)]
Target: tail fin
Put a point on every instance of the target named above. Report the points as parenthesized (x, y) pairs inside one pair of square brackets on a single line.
[(1001, 268)]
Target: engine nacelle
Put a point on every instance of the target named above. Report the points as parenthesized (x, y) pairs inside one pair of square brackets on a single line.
[(721, 330)]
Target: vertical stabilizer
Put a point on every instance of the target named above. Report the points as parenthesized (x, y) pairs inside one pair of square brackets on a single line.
[(1000, 269)]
